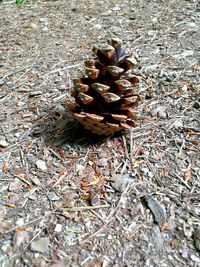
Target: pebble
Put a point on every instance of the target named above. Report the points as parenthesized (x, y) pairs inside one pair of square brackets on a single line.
[(33, 25), (41, 165), (19, 222), (40, 245), (196, 105), (195, 258), (121, 181), (1, 82), (58, 228), (35, 93), (160, 111), (15, 185), (36, 181), (53, 197), (45, 29), (6, 246), (196, 236), (107, 13), (109, 237), (3, 143), (98, 26)]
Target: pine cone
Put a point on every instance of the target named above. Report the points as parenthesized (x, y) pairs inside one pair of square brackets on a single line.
[(105, 98)]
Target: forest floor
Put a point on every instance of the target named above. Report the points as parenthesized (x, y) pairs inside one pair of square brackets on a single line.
[(67, 199)]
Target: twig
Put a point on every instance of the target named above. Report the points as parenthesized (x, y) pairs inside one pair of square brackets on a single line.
[(22, 179), (159, 182), (56, 154), (25, 224), (82, 208), (59, 180), (27, 69), (181, 179), (181, 148)]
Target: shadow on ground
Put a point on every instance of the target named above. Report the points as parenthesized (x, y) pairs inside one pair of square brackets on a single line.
[(61, 130)]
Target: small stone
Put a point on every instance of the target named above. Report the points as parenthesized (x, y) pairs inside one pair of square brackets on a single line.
[(15, 185), (6, 246), (107, 13), (1, 82), (178, 123), (36, 181), (184, 253), (3, 143), (20, 222), (40, 245), (53, 197), (45, 29), (116, 8), (35, 93), (58, 228), (109, 237), (196, 105), (160, 111), (196, 237), (195, 258), (121, 181), (42, 19), (41, 165), (33, 25), (98, 26)]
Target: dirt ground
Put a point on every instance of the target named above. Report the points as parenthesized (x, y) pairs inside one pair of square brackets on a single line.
[(67, 199)]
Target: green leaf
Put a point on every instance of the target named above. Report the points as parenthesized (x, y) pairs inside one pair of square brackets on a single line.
[(19, 2)]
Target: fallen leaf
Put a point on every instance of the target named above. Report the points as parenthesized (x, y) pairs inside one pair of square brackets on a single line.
[(10, 205), (19, 171), (94, 182), (138, 162), (164, 173), (187, 175), (61, 170), (137, 151), (5, 167), (164, 227), (20, 229)]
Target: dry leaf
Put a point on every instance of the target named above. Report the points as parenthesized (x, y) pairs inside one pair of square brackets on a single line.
[(19, 171), (164, 227), (19, 229), (5, 167), (10, 205), (164, 173), (61, 170), (138, 162), (94, 182), (137, 151), (187, 175), (84, 186)]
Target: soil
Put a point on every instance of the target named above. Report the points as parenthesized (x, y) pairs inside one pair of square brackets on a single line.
[(69, 199)]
